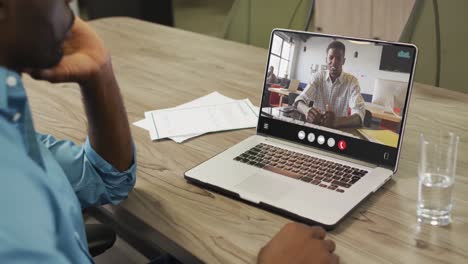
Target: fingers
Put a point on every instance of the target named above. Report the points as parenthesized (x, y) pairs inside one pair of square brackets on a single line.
[(35, 74), (315, 111), (318, 232), (50, 75), (324, 118), (314, 115), (329, 245), (334, 259), (58, 73), (54, 75), (300, 242), (328, 117)]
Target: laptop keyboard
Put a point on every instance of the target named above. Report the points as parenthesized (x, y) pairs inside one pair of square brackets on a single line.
[(326, 174)]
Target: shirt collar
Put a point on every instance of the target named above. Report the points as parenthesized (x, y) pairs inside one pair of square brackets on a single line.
[(8, 79), (339, 79)]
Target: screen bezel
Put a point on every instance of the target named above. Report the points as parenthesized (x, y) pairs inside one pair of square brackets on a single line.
[(356, 148)]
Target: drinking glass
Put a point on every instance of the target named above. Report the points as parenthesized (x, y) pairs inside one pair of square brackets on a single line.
[(436, 171)]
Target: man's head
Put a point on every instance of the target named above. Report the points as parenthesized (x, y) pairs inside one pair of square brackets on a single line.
[(336, 58), (271, 70), (33, 32)]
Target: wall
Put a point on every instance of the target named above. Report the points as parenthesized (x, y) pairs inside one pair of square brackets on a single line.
[(251, 21), (454, 39), (202, 16), (365, 67)]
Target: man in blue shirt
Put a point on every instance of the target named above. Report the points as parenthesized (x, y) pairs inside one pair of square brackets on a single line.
[(45, 182)]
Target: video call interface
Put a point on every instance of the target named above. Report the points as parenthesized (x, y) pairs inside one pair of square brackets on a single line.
[(352, 88)]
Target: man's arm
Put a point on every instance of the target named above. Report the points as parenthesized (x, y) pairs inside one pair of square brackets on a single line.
[(94, 180), (103, 170), (357, 106), (88, 63), (108, 129), (303, 101), (27, 224)]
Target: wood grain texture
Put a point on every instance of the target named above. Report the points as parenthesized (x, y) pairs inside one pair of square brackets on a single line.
[(160, 67)]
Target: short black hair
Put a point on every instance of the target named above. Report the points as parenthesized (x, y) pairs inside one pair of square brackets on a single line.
[(337, 45)]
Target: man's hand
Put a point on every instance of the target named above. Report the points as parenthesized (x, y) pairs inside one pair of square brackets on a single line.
[(87, 62), (329, 117), (314, 116), (298, 243), (85, 57)]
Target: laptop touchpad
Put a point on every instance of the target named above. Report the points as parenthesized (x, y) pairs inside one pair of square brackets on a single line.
[(263, 187)]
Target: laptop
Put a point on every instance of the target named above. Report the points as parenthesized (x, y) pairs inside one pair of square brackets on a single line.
[(293, 86), (310, 171)]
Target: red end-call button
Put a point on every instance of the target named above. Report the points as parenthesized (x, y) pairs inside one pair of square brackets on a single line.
[(342, 145)]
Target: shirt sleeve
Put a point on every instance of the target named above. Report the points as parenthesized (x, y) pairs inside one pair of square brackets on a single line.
[(95, 181), (28, 228), (303, 100), (356, 101)]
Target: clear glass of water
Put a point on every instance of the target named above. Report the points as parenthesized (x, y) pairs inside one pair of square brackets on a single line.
[(437, 169)]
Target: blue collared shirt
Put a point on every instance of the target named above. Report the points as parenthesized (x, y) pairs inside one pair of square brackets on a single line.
[(45, 183)]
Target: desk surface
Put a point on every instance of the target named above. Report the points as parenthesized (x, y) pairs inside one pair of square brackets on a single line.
[(160, 67), (375, 112), (283, 91), (379, 113)]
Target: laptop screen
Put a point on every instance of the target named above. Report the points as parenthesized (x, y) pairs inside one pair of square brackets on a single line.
[(339, 94)]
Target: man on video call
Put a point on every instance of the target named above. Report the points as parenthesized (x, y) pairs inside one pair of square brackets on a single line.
[(325, 101)]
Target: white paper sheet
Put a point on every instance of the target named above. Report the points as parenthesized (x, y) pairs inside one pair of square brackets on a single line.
[(145, 124), (186, 121), (210, 99)]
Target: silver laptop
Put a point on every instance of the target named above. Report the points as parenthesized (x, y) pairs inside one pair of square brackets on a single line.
[(292, 88), (318, 162)]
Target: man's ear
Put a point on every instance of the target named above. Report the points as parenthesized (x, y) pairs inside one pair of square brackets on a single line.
[(344, 61)]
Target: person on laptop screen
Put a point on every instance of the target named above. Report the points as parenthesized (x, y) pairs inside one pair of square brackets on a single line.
[(325, 101), (271, 77)]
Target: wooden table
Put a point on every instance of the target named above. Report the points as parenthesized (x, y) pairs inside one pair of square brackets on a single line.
[(282, 92), (379, 113), (160, 67)]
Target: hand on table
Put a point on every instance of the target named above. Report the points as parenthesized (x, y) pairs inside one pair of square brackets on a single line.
[(328, 119), (314, 116), (298, 243)]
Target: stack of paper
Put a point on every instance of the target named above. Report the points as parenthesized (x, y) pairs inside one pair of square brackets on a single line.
[(381, 136), (210, 113)]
